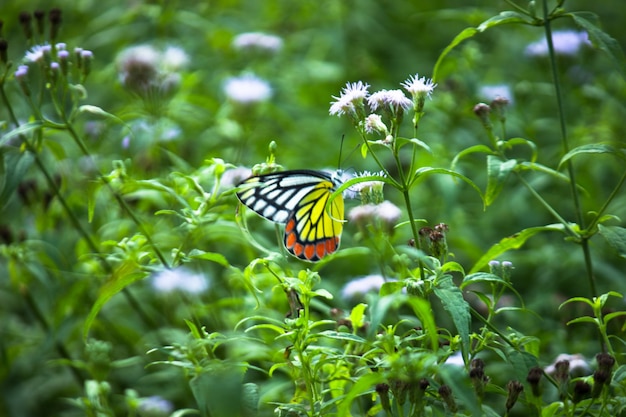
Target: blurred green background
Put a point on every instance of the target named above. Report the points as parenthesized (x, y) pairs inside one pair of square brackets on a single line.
[(326, 44)]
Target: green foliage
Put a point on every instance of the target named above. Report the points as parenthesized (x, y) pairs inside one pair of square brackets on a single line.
[(135, 283)]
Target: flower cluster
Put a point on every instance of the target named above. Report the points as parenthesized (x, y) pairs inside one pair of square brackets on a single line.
[(356, 102), (55, 62), (146, 71)]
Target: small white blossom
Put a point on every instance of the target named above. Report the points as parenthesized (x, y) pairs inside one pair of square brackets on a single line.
[(247, 89), (395, 100), (180, 279), (388, 212), (419, 86), (566, 42), (174, 58), (61, 46), (36, 53), (491, 92), (257, 40), (374, 124), (234, 176), (351, 97), (362, 285)]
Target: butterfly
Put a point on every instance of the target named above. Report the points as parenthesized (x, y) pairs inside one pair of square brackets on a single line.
[(299, 198)]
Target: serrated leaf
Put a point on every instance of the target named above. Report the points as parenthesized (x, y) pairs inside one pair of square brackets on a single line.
[(498, 172), (591, 149), (515, 241), (453, 302), (615, 236), (601, 40)]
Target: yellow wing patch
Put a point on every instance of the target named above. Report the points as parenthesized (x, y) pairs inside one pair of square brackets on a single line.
[(299, 199)]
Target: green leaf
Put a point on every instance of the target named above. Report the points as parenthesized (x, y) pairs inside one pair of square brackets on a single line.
[(498, 172), (403, 141), (218, 258), (465, 34), (348, 337), (468, 151), (551, 409), (357, 315), (426, 171), (501, 19), (453, 302), (218, 390), (458, 380), (21, 130), (124, 275), (601, 40), (616, 237), (521, 362), (513, 242), (13, 168), (590, 149)]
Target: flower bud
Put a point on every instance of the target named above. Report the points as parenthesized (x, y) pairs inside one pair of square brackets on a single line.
[(533, 378), (25, 21), (581, 391), (514, 388), (4, 45), (21, 76), (64, 57), (55, 23), (87, 57), (383, 392), (446, 395), (39, 20)]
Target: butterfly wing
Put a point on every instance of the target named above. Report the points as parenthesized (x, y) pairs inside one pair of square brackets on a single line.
[(299, 198)]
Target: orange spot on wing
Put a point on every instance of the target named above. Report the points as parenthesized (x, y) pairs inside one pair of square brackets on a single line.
[(298, 249), (309, 251), (320, 249)]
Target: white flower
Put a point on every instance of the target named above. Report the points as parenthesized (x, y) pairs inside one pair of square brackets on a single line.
[(174, 58), (247, 89), (36, 53), (180, 279), (351, 98), (395, 100), (388, 212), (257, 40), (491, 92), (374, 124), (419, 86), (362, 286), (566, 42)]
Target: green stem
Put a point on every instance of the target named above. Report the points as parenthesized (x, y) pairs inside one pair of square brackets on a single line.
[(613, 194), (565, 145)]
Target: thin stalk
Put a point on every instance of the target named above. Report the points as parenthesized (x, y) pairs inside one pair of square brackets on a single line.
[(608, 201), (565, 145)]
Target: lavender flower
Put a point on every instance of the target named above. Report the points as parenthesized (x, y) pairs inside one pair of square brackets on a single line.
[(566, 42)]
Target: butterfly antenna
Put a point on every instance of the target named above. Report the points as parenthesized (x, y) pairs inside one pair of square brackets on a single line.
[(340, 151)]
